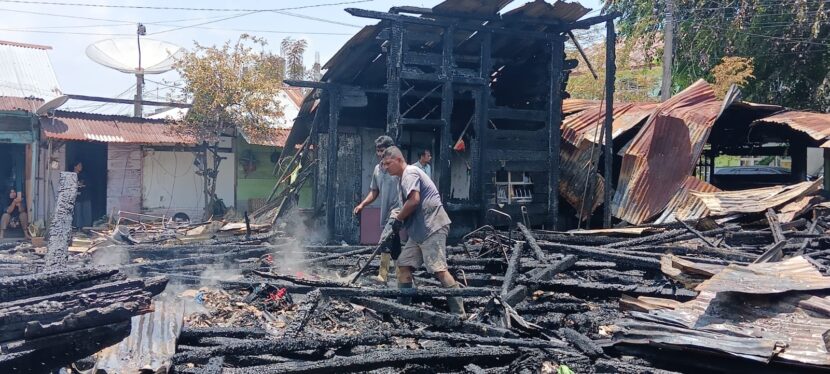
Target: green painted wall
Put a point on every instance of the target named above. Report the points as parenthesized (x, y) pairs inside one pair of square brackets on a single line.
[(257, 180)]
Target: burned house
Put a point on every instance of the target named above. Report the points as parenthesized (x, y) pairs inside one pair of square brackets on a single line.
[(480, 88)]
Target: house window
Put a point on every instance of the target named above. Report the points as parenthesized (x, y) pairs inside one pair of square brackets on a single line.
[(513, 187)]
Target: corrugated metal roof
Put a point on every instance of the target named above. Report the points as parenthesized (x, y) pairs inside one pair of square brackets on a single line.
[(27, 71), (729, 316), (793, 274), (151, 344), (66, 125), (663, 153), (685, 206), (273, 137), (816, 125), (571, 106), (754, 200), (579, 135), (28, 104), (472, 7), (559, 11)]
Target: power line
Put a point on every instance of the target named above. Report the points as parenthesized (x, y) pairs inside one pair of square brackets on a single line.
[(205, 23), (177, 8)]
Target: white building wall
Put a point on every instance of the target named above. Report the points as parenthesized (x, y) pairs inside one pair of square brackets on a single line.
[(170, 184)]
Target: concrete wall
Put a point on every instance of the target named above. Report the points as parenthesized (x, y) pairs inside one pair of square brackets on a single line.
[(170, 184), (253, 186)]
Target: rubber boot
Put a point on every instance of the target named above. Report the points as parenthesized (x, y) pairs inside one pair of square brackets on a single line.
[(383, 270), (456, 303), (405, 300)]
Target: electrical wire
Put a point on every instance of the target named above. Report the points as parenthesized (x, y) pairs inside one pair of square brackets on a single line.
[(176, 8)]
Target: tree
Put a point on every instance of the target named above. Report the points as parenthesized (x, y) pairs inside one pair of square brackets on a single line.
[(637, 77), (232, 86), (731, 70), (787, 41)]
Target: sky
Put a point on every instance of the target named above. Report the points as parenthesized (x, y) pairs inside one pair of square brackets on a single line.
[(70, 28)]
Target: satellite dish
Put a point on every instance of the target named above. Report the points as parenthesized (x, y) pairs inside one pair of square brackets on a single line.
[(123, 55), (51, 105)]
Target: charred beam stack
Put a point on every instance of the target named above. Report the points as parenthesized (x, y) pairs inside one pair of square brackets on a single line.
[(52, 318)]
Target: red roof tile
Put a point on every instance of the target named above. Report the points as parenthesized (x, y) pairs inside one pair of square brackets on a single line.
[(29, 104), (274, 137), (67, 125)]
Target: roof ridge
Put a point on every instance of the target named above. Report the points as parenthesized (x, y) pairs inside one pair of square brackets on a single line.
[(25, 45)]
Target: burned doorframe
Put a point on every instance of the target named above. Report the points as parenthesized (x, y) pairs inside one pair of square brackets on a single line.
[(444, 53)]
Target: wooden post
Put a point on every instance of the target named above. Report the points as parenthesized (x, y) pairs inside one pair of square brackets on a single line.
[(482, 119), (554, 121), (60, 231), (393, 82), (668, 48), (798, 154), (608, 148), (331, 160), (444, 179)]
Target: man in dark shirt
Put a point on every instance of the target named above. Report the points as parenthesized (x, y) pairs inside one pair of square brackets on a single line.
[(15, 215)]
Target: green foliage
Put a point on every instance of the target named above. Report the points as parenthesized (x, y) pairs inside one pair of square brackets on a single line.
[(787, 41)]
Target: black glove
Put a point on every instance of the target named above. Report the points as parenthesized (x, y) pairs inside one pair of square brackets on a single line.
[(396, 226), (395, 246)]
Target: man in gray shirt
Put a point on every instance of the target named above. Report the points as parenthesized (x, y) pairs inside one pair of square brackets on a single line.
[(423, 162), (427, 224), (384, 186)]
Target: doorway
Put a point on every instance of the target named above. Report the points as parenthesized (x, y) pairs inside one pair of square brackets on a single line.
[(92, 199), (12, 176)]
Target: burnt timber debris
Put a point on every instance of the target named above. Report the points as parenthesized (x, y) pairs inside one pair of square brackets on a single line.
[(682, 276)]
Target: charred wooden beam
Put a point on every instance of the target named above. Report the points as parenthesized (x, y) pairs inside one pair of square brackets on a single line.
[(60, 230), (54, 281), (52, 352), (302, 281), (606, 254), (581, 342), (531, 241), (304, 313), (445, 357), (555, 268), (437, 319), (281, 346), (554, 123), (580, 287), (513, 268), (407, 292), (333, 96), (455, 337), (775, 226)]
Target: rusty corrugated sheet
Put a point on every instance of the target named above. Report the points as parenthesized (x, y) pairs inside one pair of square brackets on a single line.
[(29, 104), (754, 200), (472, 7), (272, 137), (685, 206), (560, 10), (793, 274), (816, 125), (571, 106), (579, 138), (151, 344), (729, 316), (66, 125), (663, 153)]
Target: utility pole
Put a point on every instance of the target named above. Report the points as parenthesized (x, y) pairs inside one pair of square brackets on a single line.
[(138, 110), (668, 48)]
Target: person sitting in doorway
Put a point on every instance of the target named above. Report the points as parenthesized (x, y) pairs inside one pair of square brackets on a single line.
[(423, 163), (15, 215)]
